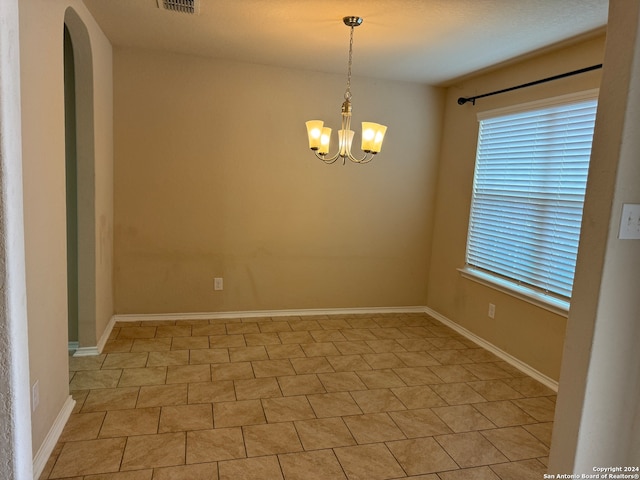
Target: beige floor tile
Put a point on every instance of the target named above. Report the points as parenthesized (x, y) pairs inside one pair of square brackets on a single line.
[(341, 381), (88, 457), (311, 365), (181, 418), (321, 433), (516, 443), (378, 400), (136, 332), (542, 431), (322, 336), (304, 325), (457, 393), (247, 354), (161, 395), (295, 337), (487, 371), (383, 360), (419, 423), (209, 392), (353, 347), (239, 413), (226, 341), (215, 445), (476, 473), (93, 379), (463, 418), (231, 371), (163, 359), (370, 462), (414, 344), (93, 362), (272, 368), (414, 376), (135, 377), (540, 408), (320, 465), (470, 449), (504, 413), (287, 409), (79, 396), (261, 339), (420, 456), (450, 357), (494, 390), (421, 396), (188, 373), (82, 426), (202, 471), (152, 451), (212, 355), (388, 333), (137, 421), (359, 335), (113, 346), (208, 329), (381, 379), (134, 475), (333, 405), (173, 331), (385, 346), (271, 439), (453, 373), (189, 343), (274, 326), (240, 328), (522, 470), (322, 349), (151, 345), (100, 400), (417, 359), (373, 428), (255, 388), (258, 468), (289, 350), (529, 387), (333, 323), (292, 385), (348, 363)]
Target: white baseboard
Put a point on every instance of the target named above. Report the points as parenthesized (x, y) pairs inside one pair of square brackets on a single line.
[(50, 441), (510, 359), (263, 313)]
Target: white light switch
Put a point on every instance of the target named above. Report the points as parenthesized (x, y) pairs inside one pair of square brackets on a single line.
[(630, 222)]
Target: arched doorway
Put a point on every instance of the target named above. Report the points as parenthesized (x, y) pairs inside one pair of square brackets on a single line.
[(80, 170)]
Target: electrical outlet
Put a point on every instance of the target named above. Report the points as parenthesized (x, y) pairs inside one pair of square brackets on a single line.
[(35, 396), (218, 283), (492, 311), (630, 222)]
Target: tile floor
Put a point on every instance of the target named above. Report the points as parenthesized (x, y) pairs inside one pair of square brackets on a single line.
[(342, 397)]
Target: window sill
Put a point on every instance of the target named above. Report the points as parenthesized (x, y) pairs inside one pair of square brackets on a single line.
[(554, 305)]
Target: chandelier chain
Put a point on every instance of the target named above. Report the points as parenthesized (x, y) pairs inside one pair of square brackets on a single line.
[(347, 94)]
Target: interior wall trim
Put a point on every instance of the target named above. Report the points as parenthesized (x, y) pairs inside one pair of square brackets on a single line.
[(510, 359), (50, 441)]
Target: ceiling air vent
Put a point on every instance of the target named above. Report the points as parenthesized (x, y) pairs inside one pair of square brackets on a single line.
[(184, 6)]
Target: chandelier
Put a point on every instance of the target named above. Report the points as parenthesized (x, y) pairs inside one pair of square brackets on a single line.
[(372, 133)]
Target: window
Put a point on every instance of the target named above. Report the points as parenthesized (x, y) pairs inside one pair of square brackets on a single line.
[(528, 193)]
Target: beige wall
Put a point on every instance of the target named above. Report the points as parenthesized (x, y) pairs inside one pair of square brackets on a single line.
[(41, 50), (213, 177), (529, 333)]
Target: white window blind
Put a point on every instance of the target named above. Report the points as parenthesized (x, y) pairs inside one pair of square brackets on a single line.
[(528, 194)]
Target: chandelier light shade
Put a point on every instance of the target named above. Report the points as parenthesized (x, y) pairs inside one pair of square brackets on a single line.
[(372, 133)]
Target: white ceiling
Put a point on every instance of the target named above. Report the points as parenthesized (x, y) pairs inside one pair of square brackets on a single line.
[(429, 41)]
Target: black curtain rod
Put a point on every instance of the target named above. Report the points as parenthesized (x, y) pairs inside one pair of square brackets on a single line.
[(463, 100)]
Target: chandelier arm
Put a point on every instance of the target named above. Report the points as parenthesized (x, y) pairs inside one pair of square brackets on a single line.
[(326, 160)]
